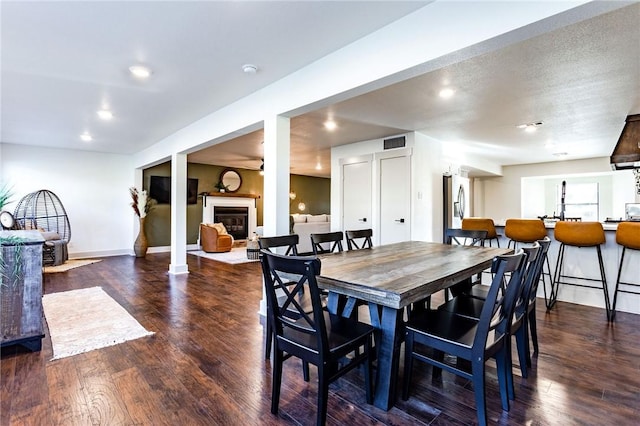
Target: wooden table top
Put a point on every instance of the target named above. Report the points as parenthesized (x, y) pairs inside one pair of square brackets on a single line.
[(396, 275)]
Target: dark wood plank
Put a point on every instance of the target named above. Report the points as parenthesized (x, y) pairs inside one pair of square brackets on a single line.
[(205, 364)]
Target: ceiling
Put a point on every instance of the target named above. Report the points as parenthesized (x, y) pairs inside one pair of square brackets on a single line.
[(62, 61)]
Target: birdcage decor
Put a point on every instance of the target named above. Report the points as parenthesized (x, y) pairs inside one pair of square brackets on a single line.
[(43, 211)]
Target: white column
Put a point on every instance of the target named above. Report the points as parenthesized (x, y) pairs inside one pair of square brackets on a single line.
[(178, 263), (275, 211)]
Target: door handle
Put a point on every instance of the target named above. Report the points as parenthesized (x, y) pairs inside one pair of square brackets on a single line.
[(364, 219), (400, 220)]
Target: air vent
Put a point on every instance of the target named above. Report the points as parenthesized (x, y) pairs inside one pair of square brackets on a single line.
[(399, 142)]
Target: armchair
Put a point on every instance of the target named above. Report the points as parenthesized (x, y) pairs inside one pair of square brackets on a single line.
[(214, 238)]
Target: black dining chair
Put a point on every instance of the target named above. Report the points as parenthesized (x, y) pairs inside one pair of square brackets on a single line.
[(327, 242), (471, 307), (359, 239), (334, 344), (290, 245), (469, 339), (465, 237)]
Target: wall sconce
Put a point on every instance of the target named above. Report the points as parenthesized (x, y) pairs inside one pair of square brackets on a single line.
[(292, 195), (302, 206)]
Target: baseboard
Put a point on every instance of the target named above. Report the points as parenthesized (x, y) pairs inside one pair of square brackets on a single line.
[(124, 252)]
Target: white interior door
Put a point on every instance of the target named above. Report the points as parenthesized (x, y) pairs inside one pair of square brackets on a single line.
[(356, 195), (395, 199)]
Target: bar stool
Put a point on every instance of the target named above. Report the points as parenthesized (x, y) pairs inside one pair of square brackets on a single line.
[(481, 224), (579, 234), (528, 231), (628, 236)]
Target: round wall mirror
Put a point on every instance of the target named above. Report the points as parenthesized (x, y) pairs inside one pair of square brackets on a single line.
[(231, 180)]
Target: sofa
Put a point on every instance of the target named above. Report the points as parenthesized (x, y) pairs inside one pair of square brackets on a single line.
[(306, 224), (214, 238)]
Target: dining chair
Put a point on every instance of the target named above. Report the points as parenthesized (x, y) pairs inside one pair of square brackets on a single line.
[(334, 344), (289, 243), (465, 237), (334, 240), (531, 324), (482, 224), (327, 242), (471, 307), (361, 234), (469, 339)]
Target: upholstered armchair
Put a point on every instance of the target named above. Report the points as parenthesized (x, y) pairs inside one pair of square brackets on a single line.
[(214, 238)]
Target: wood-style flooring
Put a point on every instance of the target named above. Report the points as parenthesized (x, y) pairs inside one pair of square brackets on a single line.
[(205, 364)]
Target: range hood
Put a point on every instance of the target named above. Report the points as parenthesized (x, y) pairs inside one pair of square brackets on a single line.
[(626, 154)]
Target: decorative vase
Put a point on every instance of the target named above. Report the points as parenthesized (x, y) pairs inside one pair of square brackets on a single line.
[(141, 245)]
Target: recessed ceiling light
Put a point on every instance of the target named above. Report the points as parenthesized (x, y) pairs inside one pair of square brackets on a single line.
[(105, 114), (86, 137), (446, 93), (249, 69), (330, 125), (140, 71)]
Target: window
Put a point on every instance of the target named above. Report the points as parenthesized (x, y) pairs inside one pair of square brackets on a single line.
[(581, 200)]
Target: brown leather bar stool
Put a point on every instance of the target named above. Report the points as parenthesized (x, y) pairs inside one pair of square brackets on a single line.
[(628, 236), (528, 231), (579, 234), (481, 224)]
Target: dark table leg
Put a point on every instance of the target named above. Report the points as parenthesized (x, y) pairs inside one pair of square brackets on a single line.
[(388, 346)]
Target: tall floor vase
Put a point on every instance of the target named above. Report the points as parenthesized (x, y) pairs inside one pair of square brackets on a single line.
[(141, 245)]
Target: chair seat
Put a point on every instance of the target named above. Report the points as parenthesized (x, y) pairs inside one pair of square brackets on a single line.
[(478, 291), (341, 333), (453, 330), (464, 305)]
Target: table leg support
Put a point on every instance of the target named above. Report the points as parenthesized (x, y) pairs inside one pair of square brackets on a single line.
[(388, 347)]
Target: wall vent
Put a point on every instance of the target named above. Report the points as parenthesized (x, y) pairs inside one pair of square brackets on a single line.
[(399, 142)]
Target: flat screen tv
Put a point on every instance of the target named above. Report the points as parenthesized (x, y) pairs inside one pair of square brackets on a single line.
[(160, 189)]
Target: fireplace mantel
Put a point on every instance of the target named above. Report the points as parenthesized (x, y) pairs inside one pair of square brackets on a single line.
[(224, 199), (232, 194)]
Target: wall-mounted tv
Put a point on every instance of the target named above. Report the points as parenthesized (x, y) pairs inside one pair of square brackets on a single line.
[(160, 189)]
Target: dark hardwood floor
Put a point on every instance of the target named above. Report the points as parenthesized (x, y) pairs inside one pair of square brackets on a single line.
[(205, 364)]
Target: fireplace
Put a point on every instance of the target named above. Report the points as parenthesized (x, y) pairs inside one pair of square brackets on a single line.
[(235, 219), (237, 211)]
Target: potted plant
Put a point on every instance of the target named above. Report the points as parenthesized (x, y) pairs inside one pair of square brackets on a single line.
[(221, 187), (141, 204)]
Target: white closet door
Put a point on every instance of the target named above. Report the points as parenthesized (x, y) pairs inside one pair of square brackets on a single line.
[(356, 195), (395, 198)]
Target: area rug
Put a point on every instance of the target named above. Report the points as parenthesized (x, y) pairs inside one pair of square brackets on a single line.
[(87, 319), (236, 255), (69, 264)]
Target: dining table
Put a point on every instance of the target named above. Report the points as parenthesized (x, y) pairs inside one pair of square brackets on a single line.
[(390, 278)]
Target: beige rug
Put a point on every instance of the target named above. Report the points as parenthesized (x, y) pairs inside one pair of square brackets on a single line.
[(69, 264), (87, 319), (236, 255)]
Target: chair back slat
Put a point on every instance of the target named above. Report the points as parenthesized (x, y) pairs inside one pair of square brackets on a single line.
[(288, 241), (333, 239), (465, 237), (364, 235)]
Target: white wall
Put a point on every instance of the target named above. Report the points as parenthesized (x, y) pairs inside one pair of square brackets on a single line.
[(93, 187), (426, 183), (502, 197)]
